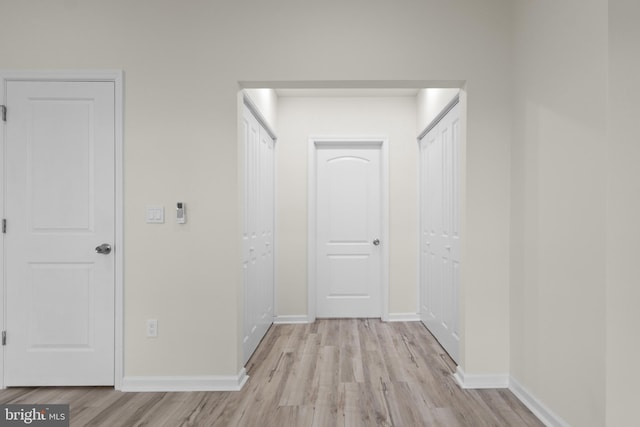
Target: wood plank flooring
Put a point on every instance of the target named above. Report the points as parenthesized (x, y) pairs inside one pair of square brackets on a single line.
[(333, 373)]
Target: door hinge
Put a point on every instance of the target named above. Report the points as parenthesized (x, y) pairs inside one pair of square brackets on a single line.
[(4, 337), (4, 225), (3, 109)]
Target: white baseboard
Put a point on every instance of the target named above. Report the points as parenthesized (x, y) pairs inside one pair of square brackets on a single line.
[(480, 380), (291, 319), (540, 410), (303, 318), (403, 317), (186, 383)]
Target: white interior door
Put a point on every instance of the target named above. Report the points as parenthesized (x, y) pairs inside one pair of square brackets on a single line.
[(258, 236), (59, 206), (440, 230), (348, 230)]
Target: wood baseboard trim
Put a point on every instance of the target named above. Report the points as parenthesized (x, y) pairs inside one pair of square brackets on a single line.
[(185, 383), (472, 381), (403, 317), (539, 409), (291, 319)]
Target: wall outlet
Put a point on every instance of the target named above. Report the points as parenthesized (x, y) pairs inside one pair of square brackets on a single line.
[(152, 328)]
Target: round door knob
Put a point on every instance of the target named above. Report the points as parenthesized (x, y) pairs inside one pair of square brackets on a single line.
[(376, 242), (103, 249)]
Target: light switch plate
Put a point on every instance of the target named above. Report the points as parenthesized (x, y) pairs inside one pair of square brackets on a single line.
[(155, 214)]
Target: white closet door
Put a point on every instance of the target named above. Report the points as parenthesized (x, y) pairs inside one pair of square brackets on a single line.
[(266, 186), (440, 230), (258, 254)]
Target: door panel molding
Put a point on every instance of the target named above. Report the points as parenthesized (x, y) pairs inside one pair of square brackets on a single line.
[(346, 142), (117, 78), (439, 252)]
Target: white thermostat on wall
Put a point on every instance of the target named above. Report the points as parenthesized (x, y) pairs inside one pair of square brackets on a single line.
[(181, 213)]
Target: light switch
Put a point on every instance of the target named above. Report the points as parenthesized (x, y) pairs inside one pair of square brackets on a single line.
[(155, 214)]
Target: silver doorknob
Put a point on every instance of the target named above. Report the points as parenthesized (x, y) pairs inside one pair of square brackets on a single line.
[(103, 249), (376, 242)]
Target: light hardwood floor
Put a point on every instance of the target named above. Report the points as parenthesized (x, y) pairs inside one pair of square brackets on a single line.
[(344, 372)]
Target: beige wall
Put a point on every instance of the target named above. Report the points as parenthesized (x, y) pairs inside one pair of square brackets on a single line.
[(623, 214), (182, 65), (535, 229), (558, 210), (299, 119)]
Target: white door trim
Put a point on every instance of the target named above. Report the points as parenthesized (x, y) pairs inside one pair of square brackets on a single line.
[(346, 142), (117, 77)]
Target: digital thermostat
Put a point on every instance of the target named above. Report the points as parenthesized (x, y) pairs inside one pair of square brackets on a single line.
[(181, 213)]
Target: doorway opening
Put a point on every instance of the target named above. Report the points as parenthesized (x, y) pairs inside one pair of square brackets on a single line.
[(303, 113)]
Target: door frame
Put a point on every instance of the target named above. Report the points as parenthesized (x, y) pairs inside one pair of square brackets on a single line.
[(117, 77), (345, 142)]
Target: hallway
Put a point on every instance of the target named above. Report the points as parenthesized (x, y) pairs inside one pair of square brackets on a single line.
[(346, 372)]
